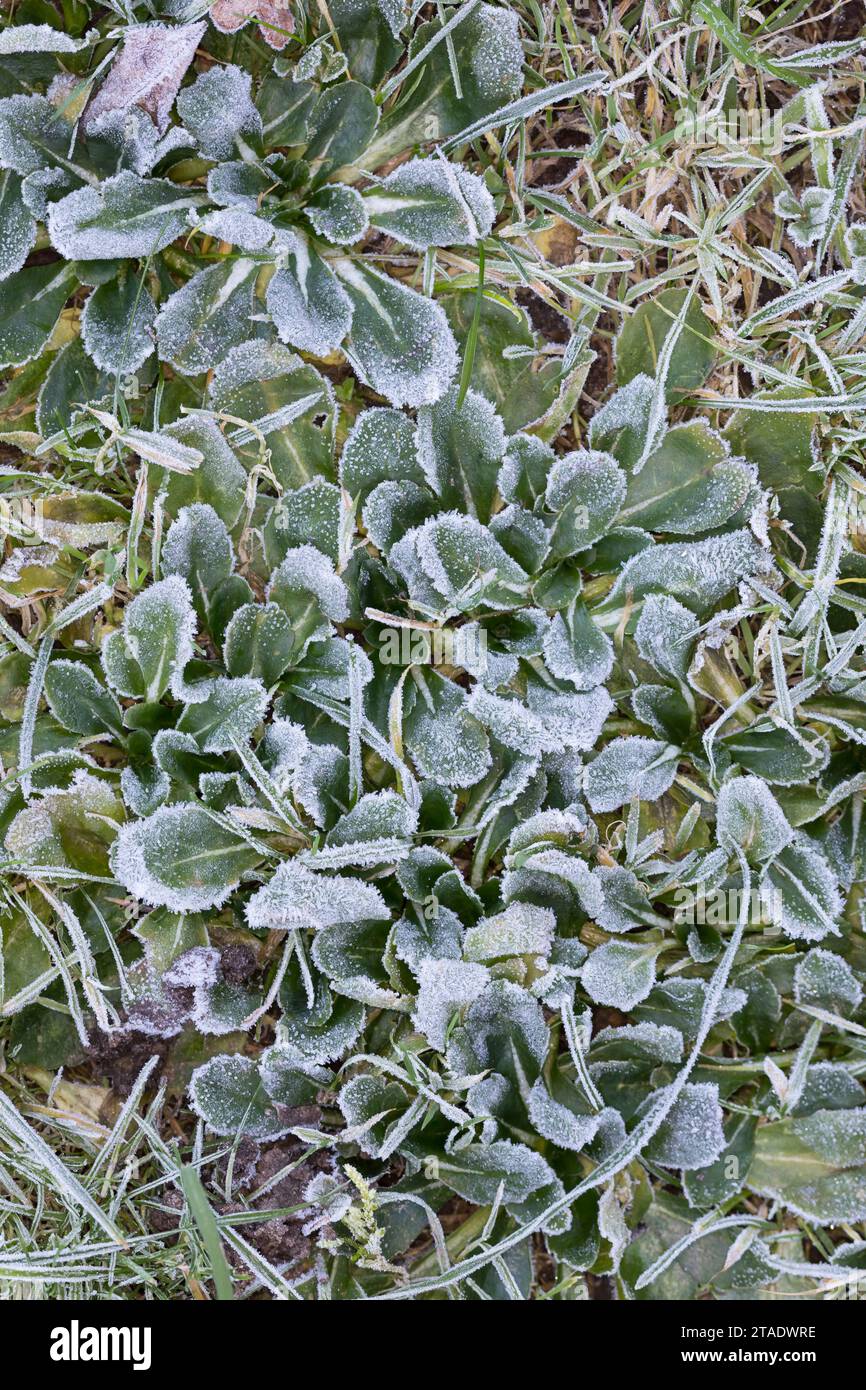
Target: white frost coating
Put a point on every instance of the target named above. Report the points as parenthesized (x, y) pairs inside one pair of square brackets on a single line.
[(125, 216), (571, 720), (577, 651), (159, 627), (233, 708), (309, 307), (377, 815), (177, 842), (237, 226), (41, 38), (700, 573), (557, 1123), (692, 1135), (338, 214), (284, 746), (749, 816), (306, 570), (296, 897), (33, 835), (140, 796), (567, 867), (620, 974), (588, 488), (197, 536), (522, 929), (509, 721), (400, 344), (630, 767), (431, 202), (827, 981), (657, 1040), (199, 324), (801, 891), (147, 72), (117, 326), (218, 110), (444, 986), (18, 223), (663, 632), (197, 968), (458, 448)]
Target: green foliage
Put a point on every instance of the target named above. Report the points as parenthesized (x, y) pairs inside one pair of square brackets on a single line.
[(445, 765)]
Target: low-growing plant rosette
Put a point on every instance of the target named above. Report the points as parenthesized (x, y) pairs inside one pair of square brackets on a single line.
[(464, 796)]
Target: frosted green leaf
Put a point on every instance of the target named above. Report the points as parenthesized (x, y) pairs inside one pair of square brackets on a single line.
[(664, 635), (557, 1122), (17, 225), (376, 816), (801, 892), (699, 574), (585, 489), (218, 111), (629, 767), (777, 755), (258, 642), (78, 701), (158, 628), (626, 903), (341, 124), (577, 651), (460, 450), (400, 343), (181, 858), (468, 567), (749, 815), (445, 987), (117, 325), (478, 1173), (198, 547), (337, 212), (199, 324), (431, 202), (691, 1135), (689, 484), (521, 930), (380, 447), (238, 227), (620, 426), (311, 595), (229, 715), (394, 508), (307, 303), (296, 897), (509, 721), (218, 482), (815, 1165), (488, 55), (826, 981), (229, 1095), (620, 974), (430, 938), (443, 738), (311, 514), (33, 137), (290, 1078), (30, 304), (125, 216), (571, 720), (525, 468), (71, 828)]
